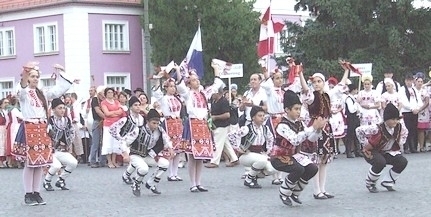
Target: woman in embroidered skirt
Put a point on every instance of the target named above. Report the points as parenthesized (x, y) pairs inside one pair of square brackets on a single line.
[(32, 143), (173, 124), (113, 112), (197, 135)]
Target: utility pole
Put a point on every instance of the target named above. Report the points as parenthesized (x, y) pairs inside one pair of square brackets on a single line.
[(147, 45)]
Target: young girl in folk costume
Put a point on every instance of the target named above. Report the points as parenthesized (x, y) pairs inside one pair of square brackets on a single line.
[(3, 131), (319, 106), (113, 112), (15, 120), (171, 109), (255, 136), (197, 134), (272, 86), (337, 119), (369, 101), (62, 134), (145, 143), (382, 145), (285, 155), (32, 141), (390, 95), (423, 115)]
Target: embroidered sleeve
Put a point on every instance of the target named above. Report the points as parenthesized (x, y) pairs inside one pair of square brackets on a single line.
[(364, 132), (218, 83), (115, 128), (235, 137), (21, 92), (131, 136), (183, 90), (308, 97), (270, 140), (158, 95), (62, 85), (71, 129), (297, 138)]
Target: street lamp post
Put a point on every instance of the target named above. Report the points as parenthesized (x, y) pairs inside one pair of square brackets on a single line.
[(147, 46)]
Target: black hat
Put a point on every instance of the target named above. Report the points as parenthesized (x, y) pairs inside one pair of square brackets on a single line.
[(153, 114), (133, 100), (290, 98), (127, 91), (391, 112), (138, 89), (352, 87), (56, 102), (255, 110), (409, 76)]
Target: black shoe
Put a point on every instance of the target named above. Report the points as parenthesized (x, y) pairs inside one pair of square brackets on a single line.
[(127, 180), (320, 196), (350, 156), (61, 184), (153, 189), (94, 165), (38, 198), (194, 189), (389, 188), (252, 184), (296, 199), (286, 201), (201, 189), (407, 152), (30, 200), (48, 186), (172, 179), (359, 154), (372, 188), (136, 189), (329, 196)]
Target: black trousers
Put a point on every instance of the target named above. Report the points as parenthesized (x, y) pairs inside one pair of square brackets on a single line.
[(411, 122), (378, 161), (296, 171)]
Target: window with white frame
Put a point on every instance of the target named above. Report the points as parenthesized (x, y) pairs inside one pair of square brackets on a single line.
[(47, 82), (7, 42), (6, 88), (118, 81), (115, 36), (45, 38)]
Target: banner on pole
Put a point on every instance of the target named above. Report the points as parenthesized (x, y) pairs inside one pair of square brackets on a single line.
[(363, 68)]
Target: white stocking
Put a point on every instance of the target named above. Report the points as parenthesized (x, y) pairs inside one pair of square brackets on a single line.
[(322, 177)]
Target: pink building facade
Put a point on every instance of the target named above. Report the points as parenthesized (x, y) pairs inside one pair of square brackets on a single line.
[(99, 42)]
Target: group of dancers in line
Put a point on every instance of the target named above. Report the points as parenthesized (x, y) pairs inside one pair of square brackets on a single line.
[(273, 139)]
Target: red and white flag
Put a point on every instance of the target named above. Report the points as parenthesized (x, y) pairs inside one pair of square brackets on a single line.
[(268, 29)]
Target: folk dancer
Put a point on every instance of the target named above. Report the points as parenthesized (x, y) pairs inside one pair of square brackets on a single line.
[(126, 131), (62, 135), (197, 135), (32, 142), (255, 136), (319, 105), (390, 95), (285, 155), (382, 145), (274, 93), (337, 120), (145, 143), (172, 107)]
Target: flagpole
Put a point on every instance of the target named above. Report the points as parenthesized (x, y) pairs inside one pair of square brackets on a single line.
[(269, 41)]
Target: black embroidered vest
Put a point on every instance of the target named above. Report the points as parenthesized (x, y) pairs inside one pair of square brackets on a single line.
[(321, 106), (141, 145), (282, 146), (59, 134), (248, 140), (379, 140)]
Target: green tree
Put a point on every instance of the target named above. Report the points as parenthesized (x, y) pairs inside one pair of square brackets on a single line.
[(387, 33), (230, 31)]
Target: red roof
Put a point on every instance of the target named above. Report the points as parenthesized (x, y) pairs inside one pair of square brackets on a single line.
[(16, 5)]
